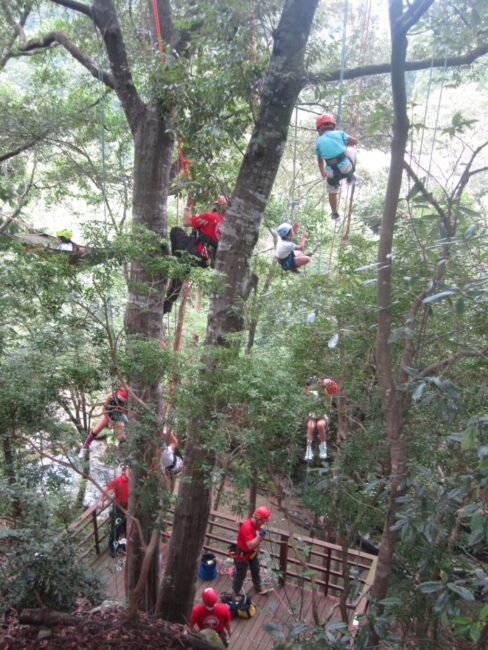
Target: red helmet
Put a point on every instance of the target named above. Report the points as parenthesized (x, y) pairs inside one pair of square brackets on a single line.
[(326, 120), (330, 386), (220, 201), (121, 395), (209, 597), (262, 513)]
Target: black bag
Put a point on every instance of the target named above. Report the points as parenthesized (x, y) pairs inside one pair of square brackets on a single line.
[(242, 608), (231, 603)]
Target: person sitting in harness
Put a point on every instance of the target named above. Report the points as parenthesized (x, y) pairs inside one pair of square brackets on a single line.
[(114, 416), (201, 244), (289, 254), (335, 160), (65, 245), (171, 458)]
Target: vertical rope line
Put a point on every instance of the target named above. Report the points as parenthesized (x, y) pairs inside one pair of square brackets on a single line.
[(294, 163), (343, 60)]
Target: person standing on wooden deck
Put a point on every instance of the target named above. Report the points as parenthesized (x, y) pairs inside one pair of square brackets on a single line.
[(251, 534), (118, 487), (212, 615)]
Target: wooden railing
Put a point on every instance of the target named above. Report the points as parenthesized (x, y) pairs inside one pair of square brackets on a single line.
[(296, 558)]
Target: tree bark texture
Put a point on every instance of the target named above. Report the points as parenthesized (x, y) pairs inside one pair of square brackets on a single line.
[(240, 230), (143, 319), (391, 400)]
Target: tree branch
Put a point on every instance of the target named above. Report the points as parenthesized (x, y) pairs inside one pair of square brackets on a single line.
[(429, 197), (76, 6), (413, 14), (49, 40), (457, 356), (385, 68)]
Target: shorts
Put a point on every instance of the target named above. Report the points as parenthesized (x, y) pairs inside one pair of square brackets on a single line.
[(336, 174), (317, 418), (288, 263)]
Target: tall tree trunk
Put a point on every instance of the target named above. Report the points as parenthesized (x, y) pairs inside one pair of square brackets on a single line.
[(240, 229), (143, 321), (391, 400)]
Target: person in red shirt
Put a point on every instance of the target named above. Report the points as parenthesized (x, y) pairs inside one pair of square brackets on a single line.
[(118, 488), (212, 615), (250, 536), (201, 245)]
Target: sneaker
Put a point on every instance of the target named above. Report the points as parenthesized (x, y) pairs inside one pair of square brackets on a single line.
[(82, 453), (309, 453), (323, 451), (334, 215), (352, 180)]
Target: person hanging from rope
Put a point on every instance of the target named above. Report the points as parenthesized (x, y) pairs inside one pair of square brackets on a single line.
[(200, 245), (336, 161), (212, 615), (65, 245), (118, 489), (171, 458), (250, 536), (114, 416), (289, 254), (315, 419)]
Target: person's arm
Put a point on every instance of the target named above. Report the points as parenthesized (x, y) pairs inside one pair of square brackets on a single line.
[(351, 142), (320, 161), (187, 217), (255, 542), (108, 492), (301, 245)]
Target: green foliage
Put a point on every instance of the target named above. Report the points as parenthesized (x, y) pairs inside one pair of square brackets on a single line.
[(43, 573)]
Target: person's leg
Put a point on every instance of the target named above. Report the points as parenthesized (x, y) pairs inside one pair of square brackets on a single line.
[(310, 429), (333, 187), (239, 576), (100, 426), (301, 259), (255, 571), (118, 428), (321, 428)]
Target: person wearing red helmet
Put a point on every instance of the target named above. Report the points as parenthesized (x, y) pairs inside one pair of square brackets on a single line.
[(316, 420), (201, 245), (335, 160), (212, 615), (250, 536), (114, 416)]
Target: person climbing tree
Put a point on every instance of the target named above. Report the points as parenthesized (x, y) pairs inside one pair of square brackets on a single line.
[(212, 615), (118, 488), (200, 245), (250, 536), (289, 254), (315, 420), (114, 416), (335, 161), (65, 244)]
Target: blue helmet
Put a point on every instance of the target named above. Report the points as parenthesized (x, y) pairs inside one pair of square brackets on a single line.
[(284, 229)]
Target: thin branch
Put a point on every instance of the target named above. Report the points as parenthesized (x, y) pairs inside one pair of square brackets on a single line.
[(57, 36), (457, 356), (429, 197), (385, 68)]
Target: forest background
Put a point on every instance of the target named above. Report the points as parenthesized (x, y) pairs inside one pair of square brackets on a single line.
[(94, 107)]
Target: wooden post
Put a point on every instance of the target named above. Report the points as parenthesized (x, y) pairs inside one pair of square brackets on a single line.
[(95, 530), (326, 564), (283, 557)]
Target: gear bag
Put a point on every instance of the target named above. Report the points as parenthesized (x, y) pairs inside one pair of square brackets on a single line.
[(242, 608)]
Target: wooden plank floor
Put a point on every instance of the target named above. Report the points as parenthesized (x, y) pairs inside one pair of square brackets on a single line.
[(285, 605)]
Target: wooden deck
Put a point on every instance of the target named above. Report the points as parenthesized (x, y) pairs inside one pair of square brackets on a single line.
[(288, 561), (284, 605)]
